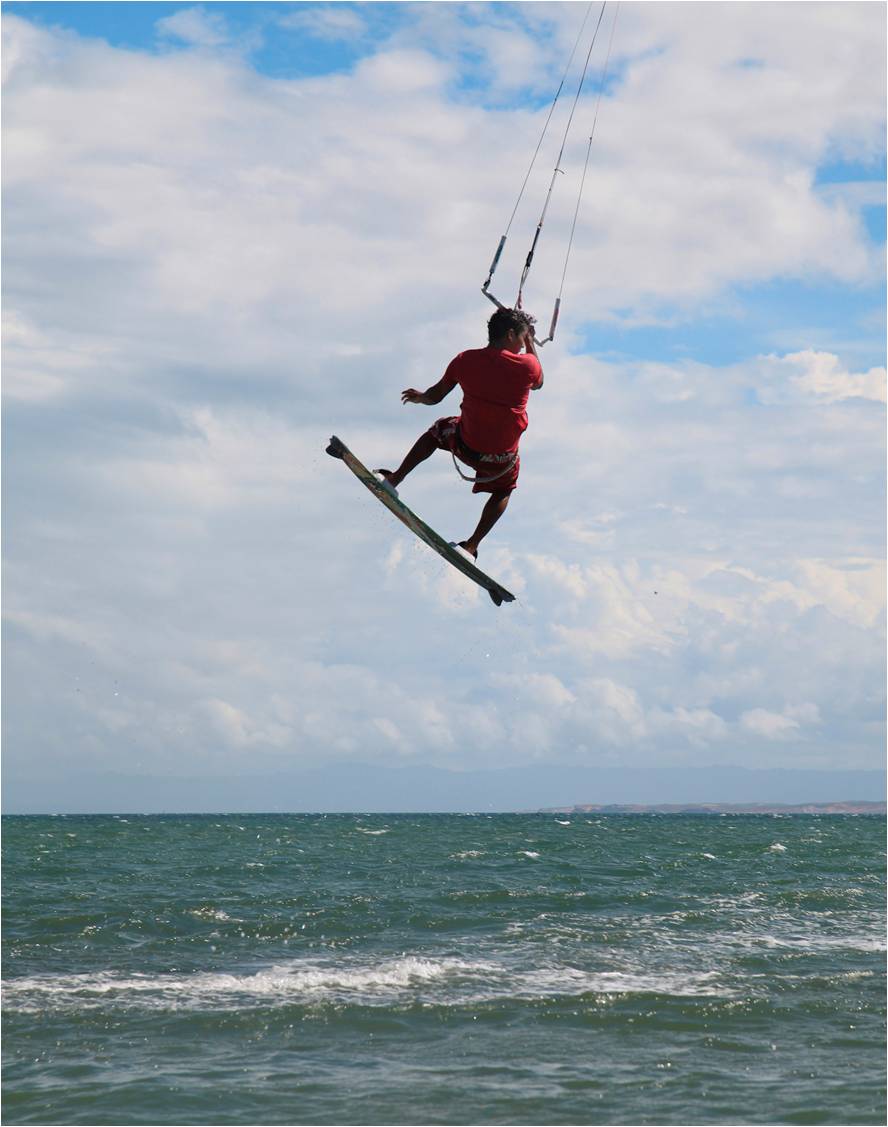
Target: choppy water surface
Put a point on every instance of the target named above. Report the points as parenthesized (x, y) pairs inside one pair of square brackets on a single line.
[(444, 969)]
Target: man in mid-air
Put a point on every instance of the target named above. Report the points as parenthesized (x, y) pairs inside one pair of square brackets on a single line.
[(496, 382)]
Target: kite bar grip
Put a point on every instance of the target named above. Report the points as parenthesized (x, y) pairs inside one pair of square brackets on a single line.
[(495, 263), (555, 313), (551, 336), (490, 296)]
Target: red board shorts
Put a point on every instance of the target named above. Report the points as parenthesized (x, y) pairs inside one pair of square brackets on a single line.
[(501, 468)]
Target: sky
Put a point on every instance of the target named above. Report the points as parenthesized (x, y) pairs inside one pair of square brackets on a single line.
[(232, 230)]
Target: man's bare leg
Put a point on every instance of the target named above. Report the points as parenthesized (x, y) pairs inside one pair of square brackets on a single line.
[(494, 508), (424, 447)]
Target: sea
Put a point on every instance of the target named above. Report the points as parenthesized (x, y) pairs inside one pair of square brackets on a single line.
[(444, 969)]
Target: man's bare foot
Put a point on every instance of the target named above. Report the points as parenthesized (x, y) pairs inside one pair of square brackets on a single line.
[(469, 547), (390, 476), (390, 481)]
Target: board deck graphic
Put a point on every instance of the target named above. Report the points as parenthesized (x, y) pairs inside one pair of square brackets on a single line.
[(338, 449)]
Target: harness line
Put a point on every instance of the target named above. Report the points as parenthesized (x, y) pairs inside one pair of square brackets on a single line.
[(484, 480)]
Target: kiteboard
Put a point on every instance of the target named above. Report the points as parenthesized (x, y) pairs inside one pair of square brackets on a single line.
[(338, 449)]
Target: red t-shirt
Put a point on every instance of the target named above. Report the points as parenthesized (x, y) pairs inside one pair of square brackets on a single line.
[(495, 385)]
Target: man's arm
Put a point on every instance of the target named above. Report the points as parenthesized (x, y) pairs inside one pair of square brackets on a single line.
[(430, 397), (530, 349)]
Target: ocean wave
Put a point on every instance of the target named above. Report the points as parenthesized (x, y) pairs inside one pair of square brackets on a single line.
[(815, 943), (408, 980), (278, 982)]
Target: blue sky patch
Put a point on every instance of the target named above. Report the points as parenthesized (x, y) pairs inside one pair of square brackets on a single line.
[(778, 316)]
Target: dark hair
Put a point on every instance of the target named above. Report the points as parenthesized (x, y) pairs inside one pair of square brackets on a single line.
[(504, 320)]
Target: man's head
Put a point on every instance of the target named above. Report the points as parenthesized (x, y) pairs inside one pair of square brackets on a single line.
[(506, 322)]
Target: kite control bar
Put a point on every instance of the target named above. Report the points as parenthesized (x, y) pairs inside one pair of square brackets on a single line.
[(499, 304)]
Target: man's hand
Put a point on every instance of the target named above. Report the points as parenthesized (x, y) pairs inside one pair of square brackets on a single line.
[(529, 342), (431, 395), (530, 348)]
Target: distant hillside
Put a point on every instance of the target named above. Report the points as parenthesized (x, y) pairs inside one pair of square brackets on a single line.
[(422, 788), (725, 808)]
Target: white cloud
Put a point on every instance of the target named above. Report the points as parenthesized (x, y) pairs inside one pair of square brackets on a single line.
[(391, 732), (400, 73), (853, 590), (58, 628), (779, 725), (814, 375), (208, 272), (195, 26), (329, 22), (613, 711), (699, 727), (419, 567), (542, 689), (39, 367), (218, 188), (215, 460)]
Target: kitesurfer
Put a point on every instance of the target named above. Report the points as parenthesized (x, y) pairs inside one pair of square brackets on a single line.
[(496, 382)]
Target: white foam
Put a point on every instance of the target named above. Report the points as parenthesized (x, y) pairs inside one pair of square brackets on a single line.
[(408, 979), (357, 982), (815, 943), (210, 914), (675, 983)]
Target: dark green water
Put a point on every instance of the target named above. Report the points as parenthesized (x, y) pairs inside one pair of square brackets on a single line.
[(444, 969)]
